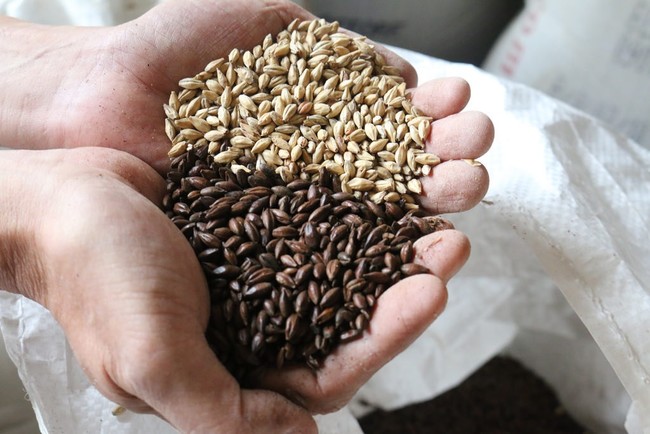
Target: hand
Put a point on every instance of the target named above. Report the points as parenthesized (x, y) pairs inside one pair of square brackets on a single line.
[(107, 86), (155, 303), (126, 288)]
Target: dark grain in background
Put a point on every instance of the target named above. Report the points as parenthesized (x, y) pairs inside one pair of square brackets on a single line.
[(502, 397)]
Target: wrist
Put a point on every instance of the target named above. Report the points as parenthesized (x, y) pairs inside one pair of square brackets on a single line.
[(21, 270)]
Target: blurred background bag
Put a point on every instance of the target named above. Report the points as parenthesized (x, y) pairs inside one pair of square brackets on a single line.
[(592, 54), (454, 30)]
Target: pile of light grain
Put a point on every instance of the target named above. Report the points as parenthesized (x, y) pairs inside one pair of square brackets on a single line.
[(312, 98)]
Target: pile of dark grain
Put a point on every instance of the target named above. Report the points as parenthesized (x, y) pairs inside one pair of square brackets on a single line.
[(293, 268)]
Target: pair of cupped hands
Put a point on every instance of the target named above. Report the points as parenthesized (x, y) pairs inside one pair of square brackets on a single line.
[(83, 234)]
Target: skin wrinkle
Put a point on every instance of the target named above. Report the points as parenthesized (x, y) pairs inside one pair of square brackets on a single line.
[(165, 39), (422, 253), (19, 33), (116, 61), (120, 57), (327, 404), (17, 112), (86, 61), (100, 181), (65, 98), (21, 269), (161, 33), (127, 400)]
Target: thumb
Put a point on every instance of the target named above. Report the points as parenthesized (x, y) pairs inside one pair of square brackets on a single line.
[(195, 393)]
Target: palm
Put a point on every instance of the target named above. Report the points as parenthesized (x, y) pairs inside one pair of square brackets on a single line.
[(130, 295)]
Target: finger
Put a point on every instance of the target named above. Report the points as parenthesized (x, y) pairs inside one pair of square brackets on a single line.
[(123, 400), (275, 419), (463, 135), (402, 313), (443, 252), (192, 390), (454, 186), (441, 97)]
